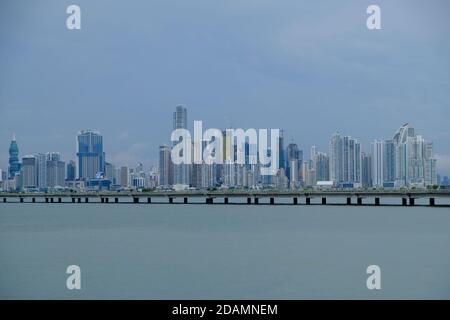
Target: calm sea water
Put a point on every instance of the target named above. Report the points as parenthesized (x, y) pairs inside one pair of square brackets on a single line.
[(193, 251)]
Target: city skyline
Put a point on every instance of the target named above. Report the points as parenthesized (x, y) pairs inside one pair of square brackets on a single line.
[(405, 160), (179, 119)]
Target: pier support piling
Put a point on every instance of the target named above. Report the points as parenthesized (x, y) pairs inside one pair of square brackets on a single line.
[(359, 201), (79, 200), (256, 200), (46, 200), (116, 200), (170, 200), (106, 200), (136, 200), (59, 200), (149, 200), (21, 199), (86, 200), (185, 200), (73, 200), (225, 200), (272, 200), (295, 200), (432, 203), (249, 200), (377, 201), (404, 200), (4, 200), (102, 200), (349, 201), (308, 200), (411, 201), (324, 200), (33, 200)]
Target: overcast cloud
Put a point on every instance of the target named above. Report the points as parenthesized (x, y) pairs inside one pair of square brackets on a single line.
[(309, 68)]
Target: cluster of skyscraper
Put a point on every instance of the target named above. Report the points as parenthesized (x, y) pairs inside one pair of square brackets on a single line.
[(406, 160), (46, 171)]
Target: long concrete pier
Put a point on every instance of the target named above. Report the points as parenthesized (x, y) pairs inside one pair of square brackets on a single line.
[(438, 198)]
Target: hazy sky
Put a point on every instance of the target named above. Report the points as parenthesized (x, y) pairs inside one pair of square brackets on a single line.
[(309, 67)]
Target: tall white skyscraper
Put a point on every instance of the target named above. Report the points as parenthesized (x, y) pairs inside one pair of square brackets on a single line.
[(42, 170), (377, 163), (401, 158), (345, 160), (336, 160), (415, 162)]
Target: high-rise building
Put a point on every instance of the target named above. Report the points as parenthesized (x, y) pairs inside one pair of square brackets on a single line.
[(281, 151), (14, 164), (431, 178), (293, 173), (309, 174), (109, 172), (366, 170), (293, 162), (55, 168), (208, 175), (345, 160), (91, 158), (322, 164), (181, 172), (124, 177), (165, 166), (180, 117), (415, 163), (42, 170), (389, 162), (401, 158), (336, 160), (416, 156), (71, 171), (377, 163), (29, 172)]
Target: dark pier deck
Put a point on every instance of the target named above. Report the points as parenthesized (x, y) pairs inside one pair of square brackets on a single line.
[(351, 197)]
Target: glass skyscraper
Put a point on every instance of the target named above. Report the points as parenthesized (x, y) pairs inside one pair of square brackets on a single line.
[(91, 158), (180, 171), (165, 166), (14, 164)]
